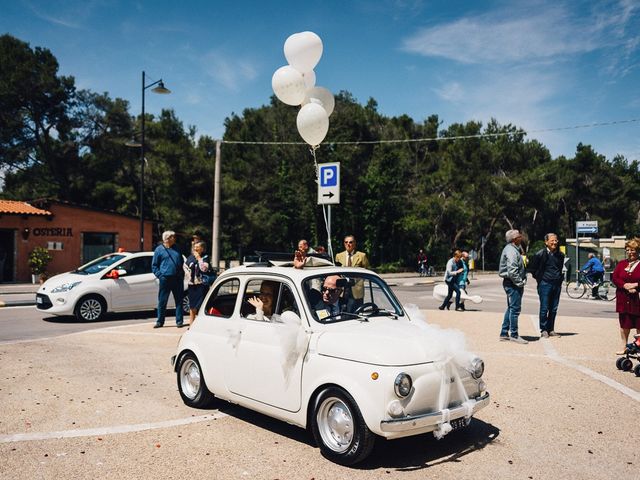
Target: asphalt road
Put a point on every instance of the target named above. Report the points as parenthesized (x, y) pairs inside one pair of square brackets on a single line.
[(102, 402), (25, 323)]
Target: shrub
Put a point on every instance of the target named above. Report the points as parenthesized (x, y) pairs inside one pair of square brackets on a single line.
[(39, 259)]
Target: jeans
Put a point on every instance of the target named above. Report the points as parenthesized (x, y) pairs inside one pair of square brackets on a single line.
[(549, 293), (172, 285), (514, 305), (595, 278), (453, 287)]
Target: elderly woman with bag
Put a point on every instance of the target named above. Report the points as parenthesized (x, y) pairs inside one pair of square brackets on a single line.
[(200, 274), (626, 277)]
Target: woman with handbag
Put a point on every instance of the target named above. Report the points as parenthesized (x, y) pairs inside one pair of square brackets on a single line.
[(626, 277), (200, 275)]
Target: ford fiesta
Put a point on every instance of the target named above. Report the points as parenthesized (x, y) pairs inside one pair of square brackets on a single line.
[(117, 282), (329, 349)]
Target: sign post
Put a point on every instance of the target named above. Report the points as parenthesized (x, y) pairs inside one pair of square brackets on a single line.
[(585, 226), (329, 191)]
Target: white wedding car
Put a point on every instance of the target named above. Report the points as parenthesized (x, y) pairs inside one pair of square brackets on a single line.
[(366, 370)]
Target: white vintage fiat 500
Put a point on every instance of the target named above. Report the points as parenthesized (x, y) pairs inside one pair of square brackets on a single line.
[(329, 349)]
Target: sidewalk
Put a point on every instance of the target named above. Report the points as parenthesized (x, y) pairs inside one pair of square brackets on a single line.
[(18, 294)]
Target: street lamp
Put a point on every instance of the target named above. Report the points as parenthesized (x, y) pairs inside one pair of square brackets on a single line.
[(159, 88)]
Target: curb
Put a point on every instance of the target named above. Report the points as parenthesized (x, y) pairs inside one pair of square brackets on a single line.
[(17, 303)]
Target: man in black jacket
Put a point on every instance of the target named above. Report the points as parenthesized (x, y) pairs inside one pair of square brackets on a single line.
[(546, 268)]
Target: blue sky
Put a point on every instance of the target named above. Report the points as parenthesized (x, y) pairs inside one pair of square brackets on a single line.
[(536, 64)]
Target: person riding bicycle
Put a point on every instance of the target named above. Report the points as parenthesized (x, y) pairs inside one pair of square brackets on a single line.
[(422, 262), (594, 271)]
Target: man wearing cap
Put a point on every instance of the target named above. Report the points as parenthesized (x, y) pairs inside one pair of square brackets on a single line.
[(514, 278)]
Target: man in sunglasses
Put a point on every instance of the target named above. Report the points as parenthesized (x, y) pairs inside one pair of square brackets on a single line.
[(329, 305)]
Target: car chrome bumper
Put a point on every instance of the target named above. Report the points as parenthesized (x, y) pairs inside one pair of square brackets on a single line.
[(432, 419)]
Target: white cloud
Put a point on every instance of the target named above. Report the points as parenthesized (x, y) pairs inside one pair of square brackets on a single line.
[(496, 38), (451, 92), (231, 73), (70, 13)]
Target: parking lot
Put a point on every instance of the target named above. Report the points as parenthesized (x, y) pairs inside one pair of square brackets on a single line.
[(103, 403)]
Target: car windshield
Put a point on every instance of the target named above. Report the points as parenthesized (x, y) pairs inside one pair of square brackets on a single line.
[(99, 264), (350, 296)]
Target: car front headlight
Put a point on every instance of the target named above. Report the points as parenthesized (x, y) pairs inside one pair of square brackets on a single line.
[(402, 385), (477, 368), (65, 287)]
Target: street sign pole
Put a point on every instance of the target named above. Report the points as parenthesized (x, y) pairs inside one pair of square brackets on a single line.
[(330, 250), (577, 242), (329, 192)]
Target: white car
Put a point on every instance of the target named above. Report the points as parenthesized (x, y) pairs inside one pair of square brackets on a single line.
[(350, 377), (117, 282)]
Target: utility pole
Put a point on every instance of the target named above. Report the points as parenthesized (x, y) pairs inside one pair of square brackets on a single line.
[(215, 240)]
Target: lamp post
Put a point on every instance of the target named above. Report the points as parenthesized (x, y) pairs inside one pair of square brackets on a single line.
[(159, 88)]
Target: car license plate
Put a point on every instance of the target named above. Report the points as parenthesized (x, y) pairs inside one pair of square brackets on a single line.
[(458, 423), (38, 299)]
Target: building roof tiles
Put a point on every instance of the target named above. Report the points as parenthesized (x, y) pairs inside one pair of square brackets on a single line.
[(12, 207)]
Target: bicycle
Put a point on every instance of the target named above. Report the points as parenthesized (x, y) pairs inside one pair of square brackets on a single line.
[(422, 269), (577, 288)]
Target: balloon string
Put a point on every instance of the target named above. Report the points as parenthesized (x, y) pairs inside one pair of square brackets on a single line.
[(324, 210), (315, 160)]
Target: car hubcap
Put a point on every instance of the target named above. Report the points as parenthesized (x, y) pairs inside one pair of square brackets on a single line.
[(190, 378), (90, 309), (335, 424)]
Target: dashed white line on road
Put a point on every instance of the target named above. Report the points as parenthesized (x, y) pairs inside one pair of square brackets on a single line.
[(553, 354), (91, 432)]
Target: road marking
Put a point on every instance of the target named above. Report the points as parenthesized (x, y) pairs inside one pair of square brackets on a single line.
[(92, 432), (553, 354), (110, 329)]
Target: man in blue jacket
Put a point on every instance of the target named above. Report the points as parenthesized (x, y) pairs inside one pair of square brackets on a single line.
[(546, 267), (167, 266), (594, 270)]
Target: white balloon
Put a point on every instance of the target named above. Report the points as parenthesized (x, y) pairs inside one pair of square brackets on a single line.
[(313, 123), (303, 51), (309, 79), (288, 85), (321, 96)]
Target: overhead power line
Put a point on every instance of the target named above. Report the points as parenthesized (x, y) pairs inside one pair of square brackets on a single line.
[(440, 139)]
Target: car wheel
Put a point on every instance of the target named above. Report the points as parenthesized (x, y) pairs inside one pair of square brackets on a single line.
[(626, 364), (193, 389), (185, 303), (90, 308), (339, 429), (619, 363)]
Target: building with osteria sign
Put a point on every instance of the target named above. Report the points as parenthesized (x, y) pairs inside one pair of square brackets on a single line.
[(73, 235)]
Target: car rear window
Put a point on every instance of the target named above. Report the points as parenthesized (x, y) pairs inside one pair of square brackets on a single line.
[(223, 300)]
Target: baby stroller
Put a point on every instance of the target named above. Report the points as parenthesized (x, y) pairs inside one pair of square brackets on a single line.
[(624, 363)]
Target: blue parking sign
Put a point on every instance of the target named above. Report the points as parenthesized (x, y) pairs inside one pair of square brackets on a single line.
[(329, 183), (328, 175)]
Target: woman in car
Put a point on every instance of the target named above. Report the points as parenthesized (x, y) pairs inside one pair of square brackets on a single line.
[(263, 303)]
